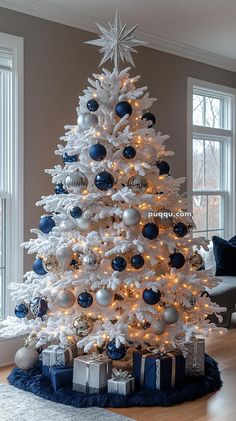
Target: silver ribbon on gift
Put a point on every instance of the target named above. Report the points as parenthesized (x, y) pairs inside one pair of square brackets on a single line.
[(155, 351), (120, 374), (53, 354)]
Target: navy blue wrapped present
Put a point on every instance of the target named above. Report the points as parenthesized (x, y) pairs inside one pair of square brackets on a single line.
[(59, 376), (156, 371)]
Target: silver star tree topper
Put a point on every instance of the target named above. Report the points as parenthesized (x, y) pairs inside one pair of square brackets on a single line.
[(116, 42)]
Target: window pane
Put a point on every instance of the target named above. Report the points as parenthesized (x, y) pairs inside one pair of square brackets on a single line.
[(198, 110), (212, 165), (200, 212), (213, 109), (198, 164), (215, 212)]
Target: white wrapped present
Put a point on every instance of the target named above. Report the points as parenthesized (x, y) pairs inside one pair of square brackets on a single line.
[(91, 372), (57, 355), (121, 382)]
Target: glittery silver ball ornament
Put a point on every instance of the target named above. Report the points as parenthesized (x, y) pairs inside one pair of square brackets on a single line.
[(83, 224), (82, 326), (76, 182), (64, 256), (131, 217), (158, 327), (196, 261), (50, 263), (104, 297), (138, 184), (90, 261), (171, 315), (87, 121), (26, 358), (65, 298), (164, 218)]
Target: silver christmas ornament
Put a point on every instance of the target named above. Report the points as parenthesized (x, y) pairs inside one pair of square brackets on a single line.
[(104, 297), (171, 315), (76, 182), (131, 217), (164, 219), (196, 261), (64, 256), (83, 223), (158, 327), (82, 326), (87, 121), (138, 184), (26, 358), (65, 298), (90, 261), (50, 263)]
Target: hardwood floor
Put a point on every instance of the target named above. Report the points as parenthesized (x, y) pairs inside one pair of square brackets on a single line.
[(219, 406)]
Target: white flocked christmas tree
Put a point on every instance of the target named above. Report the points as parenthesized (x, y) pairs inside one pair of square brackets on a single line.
[(116, 264)]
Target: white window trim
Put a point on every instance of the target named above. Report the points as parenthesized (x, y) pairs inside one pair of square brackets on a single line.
[(191, 82), (14, 222)]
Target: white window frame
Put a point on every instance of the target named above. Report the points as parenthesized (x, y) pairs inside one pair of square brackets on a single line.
[(13, 154), (194, 131)]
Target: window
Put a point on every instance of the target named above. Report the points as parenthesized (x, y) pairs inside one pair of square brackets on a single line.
[(211, 151), (11, 165)]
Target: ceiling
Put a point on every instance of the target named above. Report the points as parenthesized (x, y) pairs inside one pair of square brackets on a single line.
[(204, 30)]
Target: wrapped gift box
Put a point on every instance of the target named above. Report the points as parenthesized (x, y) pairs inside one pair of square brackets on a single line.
[(195, 357), (159, 371), (121, 382), (56, 355), (59, 376), (91, 373)]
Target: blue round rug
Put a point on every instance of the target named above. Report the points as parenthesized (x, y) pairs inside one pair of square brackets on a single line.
[(33, 381)]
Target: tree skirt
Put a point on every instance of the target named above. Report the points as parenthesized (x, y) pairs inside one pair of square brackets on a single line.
[(33, 381)]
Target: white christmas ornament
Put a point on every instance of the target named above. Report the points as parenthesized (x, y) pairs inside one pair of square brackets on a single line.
[(83, 223), (104, 297), (90, 261), (87, 121), (64, 256), (131, 217), (171, 315), (76, 182), (65, 299)]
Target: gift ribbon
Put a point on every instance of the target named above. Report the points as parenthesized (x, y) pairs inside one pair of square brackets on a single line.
[(173, 365), (119, 374), (53, 354)]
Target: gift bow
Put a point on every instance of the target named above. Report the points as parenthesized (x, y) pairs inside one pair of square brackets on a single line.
[(180, 345), (154, 350), (98, 357), (119, 374)]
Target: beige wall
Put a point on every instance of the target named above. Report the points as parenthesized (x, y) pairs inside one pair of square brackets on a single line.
[(57, 65)]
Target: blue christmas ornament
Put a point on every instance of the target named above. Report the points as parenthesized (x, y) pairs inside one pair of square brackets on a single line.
[(113, 352), (177, 260), (104, 181), (21, 310), (69, 158), (85, 299), (180, 229), (118, 263), (76, 212), (46, 223), (38, 267), (163, 167), (129, 152), (123, 108), (137, 261), (97, 152), (59, 189), (151, 297), (92, 105), (149, 117), (150, 231), (38, 307)]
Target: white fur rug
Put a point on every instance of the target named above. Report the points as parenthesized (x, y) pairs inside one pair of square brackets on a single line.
[(16, 404)]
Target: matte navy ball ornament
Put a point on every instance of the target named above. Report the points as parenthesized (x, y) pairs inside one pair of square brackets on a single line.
[(85, 299), (163, 167), (180, 229), (38, 307), (38, 267), (151, 297), (149, 117), (177, 260), (21, 310), (97, 152), (119, 264), (137, 261), (104, 181), (46, 223), (69, 158), (115, 353), (129, 152), (92, 105), (123, 108), (59, 189), (150, 231), (76, 212)]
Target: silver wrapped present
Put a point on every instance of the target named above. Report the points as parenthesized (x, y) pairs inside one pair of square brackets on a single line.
[(91, 372), (57, 355), (194, 352), (121, 382)]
